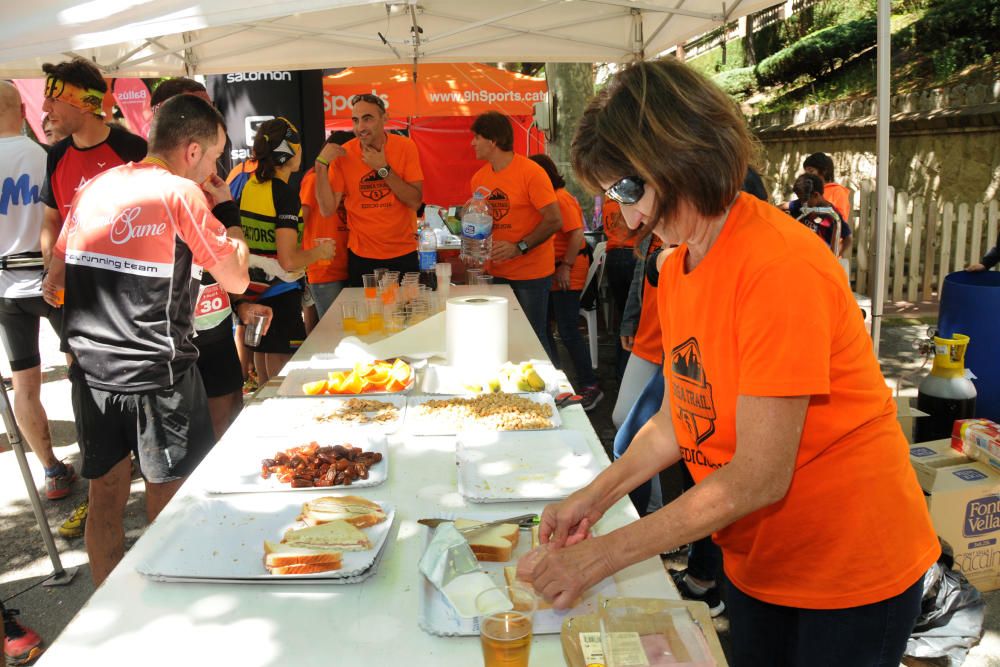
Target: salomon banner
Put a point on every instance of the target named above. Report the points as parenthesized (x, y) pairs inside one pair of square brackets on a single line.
[(247, 99)]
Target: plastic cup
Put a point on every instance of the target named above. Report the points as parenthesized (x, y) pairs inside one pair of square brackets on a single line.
[(371, 286), (505, 635), (318, 242), (253, 332), (483, 279), (395, 322), (375, 320), (349, 316), (379, 274), (472, 276)]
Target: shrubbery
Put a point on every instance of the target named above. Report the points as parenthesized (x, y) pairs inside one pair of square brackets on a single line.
[(956, 34), (817, 52), (736, 82)]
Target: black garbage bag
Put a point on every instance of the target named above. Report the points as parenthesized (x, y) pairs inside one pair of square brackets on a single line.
[(951, 615)]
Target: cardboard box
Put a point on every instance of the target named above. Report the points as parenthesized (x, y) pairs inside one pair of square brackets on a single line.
[(928, 457), (906, 413), (964, 503)]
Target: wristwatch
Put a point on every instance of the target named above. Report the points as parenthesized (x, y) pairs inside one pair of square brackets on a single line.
[(522, 246), (384, 171)]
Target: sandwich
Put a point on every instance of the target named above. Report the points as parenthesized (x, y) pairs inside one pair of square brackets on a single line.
[(495, 544), (510, 575), (284, 559), (337, 535), (355, 510)]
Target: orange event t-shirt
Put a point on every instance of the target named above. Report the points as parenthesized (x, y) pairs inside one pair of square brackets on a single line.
[(768, 312), (318, 226), (648, 343), (615, 229), (840, 197), (572, 217), (517, 193), (381, 225)]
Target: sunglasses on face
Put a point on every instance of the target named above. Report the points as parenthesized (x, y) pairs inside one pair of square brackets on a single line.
[(370, 99), (627, 191)]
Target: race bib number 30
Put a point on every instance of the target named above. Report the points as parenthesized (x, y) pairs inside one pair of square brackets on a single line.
[(213, 307)]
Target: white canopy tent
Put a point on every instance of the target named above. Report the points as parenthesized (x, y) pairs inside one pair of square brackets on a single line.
[(178, 37)]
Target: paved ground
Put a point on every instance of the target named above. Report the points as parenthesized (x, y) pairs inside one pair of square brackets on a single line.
[(24, 564)]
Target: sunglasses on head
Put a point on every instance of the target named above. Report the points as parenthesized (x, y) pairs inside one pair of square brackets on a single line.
[(628, 190), (370, 99)]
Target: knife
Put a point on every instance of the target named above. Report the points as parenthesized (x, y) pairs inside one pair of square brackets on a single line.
[(523, 521)]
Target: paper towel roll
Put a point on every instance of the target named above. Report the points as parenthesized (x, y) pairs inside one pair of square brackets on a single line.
[(477, 333)]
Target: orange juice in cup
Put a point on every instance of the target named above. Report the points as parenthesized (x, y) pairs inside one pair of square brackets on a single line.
[(318, 242), (371, 286), (60, 296)]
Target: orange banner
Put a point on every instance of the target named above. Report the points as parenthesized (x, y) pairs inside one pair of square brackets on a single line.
[(440, 89)]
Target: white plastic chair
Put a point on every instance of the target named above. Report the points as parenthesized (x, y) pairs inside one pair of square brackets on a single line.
[(595, 274)]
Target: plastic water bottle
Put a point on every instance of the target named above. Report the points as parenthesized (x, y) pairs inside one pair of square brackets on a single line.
[(427, 254), (477, 229)]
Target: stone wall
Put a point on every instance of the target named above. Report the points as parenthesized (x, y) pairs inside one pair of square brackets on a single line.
[(944, 143)]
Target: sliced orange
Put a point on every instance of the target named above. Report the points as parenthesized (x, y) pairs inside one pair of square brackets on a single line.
[(401, 372), (354, 383), (314, 388), (395, 385)]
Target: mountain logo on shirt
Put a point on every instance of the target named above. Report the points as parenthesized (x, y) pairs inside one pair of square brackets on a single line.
[(499, 204), (373, 187), (691, 393)]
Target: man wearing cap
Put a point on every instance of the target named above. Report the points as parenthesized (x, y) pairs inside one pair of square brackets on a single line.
[(74, 96), (378, 176)]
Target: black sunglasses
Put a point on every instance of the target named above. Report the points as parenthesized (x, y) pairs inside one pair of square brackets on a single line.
[(627, 191), (371, 99)]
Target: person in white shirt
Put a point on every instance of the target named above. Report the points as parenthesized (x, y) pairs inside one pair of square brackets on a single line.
[(22, 172)]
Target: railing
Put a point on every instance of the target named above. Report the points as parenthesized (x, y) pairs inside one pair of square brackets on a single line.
[(927, 241)]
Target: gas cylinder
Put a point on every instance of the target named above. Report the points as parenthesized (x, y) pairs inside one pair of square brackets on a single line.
[(946, 394)]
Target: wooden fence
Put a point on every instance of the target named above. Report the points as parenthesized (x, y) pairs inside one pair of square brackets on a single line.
[(928, 239)]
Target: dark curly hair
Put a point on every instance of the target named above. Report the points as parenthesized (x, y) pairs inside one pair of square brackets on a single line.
[(79, 72)]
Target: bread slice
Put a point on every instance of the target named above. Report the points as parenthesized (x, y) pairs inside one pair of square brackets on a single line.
[(357, 511), (510, 574), (334, 535), (282, 555), (493, 545)]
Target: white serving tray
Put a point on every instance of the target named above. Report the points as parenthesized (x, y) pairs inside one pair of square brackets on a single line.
[(438, 617), (222, 538), (523, 465), (292, 384), (420, 425), (444, 379), (237, 468), (298, 417)]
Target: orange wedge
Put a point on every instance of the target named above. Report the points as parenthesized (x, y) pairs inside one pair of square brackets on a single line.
[(401, 372), (354, 383), (395, 385), (314, 388)]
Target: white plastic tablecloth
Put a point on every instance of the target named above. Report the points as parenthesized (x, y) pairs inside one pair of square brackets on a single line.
[(131, 620)]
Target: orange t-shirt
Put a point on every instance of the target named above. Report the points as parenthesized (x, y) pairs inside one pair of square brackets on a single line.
[(381, 226), (840, 197), (768, 312), (615, 229), (319, 227), (572, 217), (517, 193), (648, 343)]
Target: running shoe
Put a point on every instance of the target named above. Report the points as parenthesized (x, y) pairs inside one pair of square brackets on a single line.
[(592, 395), (73, 526), (710, 597), (58, 487), (21, 645)]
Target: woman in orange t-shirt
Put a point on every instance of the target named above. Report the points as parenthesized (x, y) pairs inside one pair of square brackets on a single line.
[(773, 400), (619, 266), (570, 274)]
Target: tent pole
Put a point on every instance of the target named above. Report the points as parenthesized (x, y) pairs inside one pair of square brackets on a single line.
[(882, 162), (60, 576)]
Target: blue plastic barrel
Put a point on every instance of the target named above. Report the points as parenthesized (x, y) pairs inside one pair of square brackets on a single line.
[(970, 305)]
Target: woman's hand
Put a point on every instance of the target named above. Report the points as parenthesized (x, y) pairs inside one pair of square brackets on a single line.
[(569, 522), (975, 267), (563, 575), (627, 343)]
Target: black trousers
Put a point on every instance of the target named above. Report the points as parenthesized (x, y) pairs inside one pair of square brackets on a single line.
[(358, 266)]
